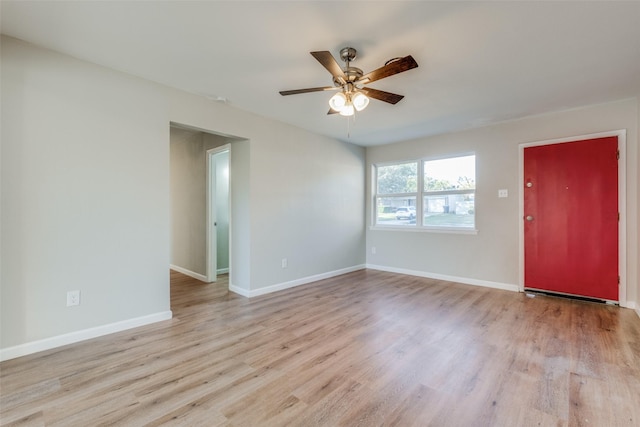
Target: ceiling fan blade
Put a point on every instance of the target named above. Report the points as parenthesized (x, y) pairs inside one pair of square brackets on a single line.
[(329, 62), (394, 67), (381, 95), (311, 89)]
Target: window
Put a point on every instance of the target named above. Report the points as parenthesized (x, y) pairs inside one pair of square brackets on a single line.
[(449, 192), (397, 192), (426, 194)]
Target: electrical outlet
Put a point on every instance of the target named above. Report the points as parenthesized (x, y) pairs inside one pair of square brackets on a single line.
[(284, 263), (73, 298), (373, 250)]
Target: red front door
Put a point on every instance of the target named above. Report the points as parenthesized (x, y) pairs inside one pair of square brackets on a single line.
[(571, 218)]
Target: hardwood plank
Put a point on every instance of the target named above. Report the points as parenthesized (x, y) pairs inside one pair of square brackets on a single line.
[(330, 409), (31, 420)]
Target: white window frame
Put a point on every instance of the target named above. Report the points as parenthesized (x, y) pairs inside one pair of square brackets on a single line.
[(377, 196), (419, 195)]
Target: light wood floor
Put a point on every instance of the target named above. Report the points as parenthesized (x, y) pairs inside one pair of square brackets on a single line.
[(365, 349)]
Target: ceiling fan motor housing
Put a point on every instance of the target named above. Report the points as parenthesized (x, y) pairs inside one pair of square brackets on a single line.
[(348, 54), (352, 74)]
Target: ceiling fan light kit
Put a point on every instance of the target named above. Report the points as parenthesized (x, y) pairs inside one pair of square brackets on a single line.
[(351, 81), (345, 102)]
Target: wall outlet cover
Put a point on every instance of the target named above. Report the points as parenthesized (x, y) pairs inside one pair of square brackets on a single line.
[(73, 298)]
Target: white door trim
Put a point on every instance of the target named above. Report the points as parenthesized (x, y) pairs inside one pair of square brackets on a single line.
[(211, 212), (622, 204)]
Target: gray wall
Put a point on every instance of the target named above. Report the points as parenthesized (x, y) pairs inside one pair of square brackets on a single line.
[(240, 269), (85, 195), (295, 195), (307, 201), (492, 254), (86, 198)]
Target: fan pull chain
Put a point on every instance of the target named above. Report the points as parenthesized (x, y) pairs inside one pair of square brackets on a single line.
[(349, 125)]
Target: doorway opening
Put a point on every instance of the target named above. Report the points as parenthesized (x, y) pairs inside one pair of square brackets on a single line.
[(200, 201)]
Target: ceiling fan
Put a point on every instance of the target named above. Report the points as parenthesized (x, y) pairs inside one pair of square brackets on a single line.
[(353, 95)]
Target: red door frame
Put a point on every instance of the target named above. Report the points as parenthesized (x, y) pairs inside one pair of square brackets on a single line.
[(622, 250)]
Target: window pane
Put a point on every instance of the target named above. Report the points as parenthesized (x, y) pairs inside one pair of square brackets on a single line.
[(456, 173), (449, 210), (396, 211), (395, 179)]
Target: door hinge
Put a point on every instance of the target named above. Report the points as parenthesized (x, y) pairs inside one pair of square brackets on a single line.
[(618, 280), (618, 154), (618, 216)]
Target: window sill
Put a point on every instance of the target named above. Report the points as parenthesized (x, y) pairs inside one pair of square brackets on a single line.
[(441, 230)]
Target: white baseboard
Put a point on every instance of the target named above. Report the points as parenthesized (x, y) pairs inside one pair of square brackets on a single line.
[(463, 280), (633, 306), (77, 336), (222, 271), (293, 283), (189, 273), (240, 291)]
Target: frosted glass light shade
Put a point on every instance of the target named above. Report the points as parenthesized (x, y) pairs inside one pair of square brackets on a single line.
[(360, 101), (338, 101), (347, 110)]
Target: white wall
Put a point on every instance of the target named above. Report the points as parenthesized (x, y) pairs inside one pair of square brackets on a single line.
[(492, 255), (85, 198)]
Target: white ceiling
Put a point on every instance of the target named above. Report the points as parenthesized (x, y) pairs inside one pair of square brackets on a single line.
[(479, 62)]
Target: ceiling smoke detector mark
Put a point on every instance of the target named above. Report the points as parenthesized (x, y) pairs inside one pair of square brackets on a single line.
[(218, 98)]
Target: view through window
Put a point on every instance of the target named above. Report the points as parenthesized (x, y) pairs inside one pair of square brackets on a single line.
[(437, 193)]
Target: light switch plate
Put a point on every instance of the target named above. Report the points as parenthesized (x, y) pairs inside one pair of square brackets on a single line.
[(503, 193)]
